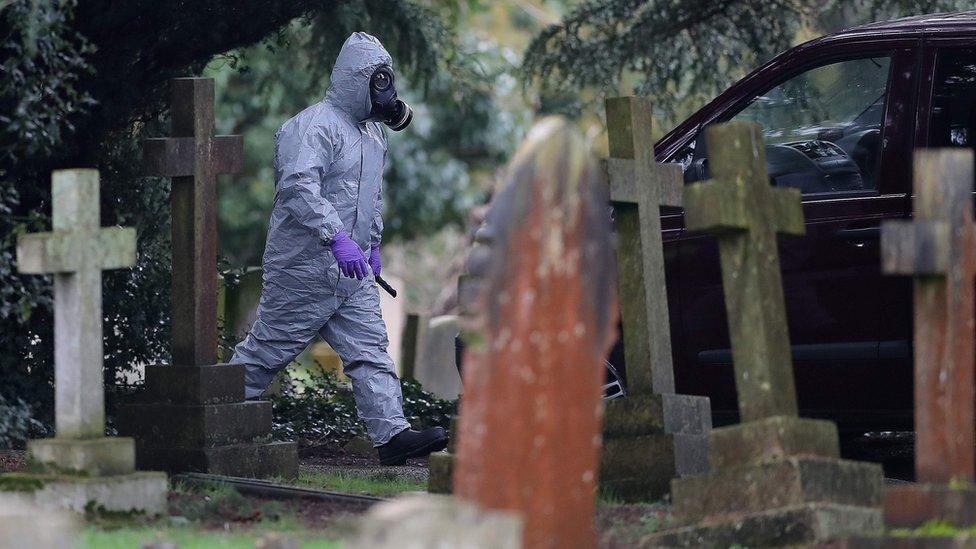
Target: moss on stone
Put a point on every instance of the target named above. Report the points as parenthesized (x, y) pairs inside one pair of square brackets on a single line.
[(21, 482)]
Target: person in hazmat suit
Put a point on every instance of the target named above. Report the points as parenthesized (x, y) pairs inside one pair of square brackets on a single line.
[(323, 247)]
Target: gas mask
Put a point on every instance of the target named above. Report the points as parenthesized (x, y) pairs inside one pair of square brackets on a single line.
[(383, 100)]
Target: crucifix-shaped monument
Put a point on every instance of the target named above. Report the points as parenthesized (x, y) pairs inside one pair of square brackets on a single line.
[(195, 417), (192, 158), (652, 434), (76, 252), (774, 478), (938, 248)]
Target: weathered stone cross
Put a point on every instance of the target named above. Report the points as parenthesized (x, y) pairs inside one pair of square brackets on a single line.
[(938, 248), (76, 252), (193, 157), (639, 186), (745, 213)]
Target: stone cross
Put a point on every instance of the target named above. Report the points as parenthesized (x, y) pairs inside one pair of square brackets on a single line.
[(938, 247), (745, 213), (193, 157), (76, 252), (530, 423), (639, 186)]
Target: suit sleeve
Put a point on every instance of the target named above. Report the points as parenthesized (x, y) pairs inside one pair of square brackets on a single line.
[(376, 228), (302, 163)]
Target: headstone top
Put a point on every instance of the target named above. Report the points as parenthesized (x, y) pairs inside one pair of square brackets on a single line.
[(745, 213), (639, 186), (547, 326), (938, 247)]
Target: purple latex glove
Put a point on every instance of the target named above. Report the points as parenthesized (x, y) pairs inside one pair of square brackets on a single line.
[(352, 261), (374, 260)]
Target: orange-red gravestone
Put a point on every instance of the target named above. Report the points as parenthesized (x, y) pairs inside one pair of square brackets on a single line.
[(530, 428)]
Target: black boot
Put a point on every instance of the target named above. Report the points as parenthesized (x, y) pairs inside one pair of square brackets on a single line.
[(411, 444)]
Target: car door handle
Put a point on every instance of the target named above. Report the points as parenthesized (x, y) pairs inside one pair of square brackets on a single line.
[(859, 235)]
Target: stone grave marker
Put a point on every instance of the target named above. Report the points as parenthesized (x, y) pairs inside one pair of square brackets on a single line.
[(653, 434), (410, 344), (194, 417), (530, 425), (81, 465), (938, 248), (775, 479), (436, 369)]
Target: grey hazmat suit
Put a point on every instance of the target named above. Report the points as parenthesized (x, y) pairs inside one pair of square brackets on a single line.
[(328, 172)]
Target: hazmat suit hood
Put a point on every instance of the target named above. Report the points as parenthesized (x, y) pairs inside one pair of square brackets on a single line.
[(360, 55)]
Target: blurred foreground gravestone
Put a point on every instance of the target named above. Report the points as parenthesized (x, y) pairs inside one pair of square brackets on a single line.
[(193, 416), (653, 434), (80, 466), (938, 248), (425, 521), (529, 437), (775, 479)]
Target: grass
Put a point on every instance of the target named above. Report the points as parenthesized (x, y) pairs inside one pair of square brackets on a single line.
[(190, 537), (379, 483)]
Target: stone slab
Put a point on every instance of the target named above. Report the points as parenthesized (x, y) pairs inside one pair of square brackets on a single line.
[(687, 414), (690, 454), (772, 438), (777, 484), (633, 416), (436, 367), (912, 505), (93, 457), (18, 528), (426, 521), (441, 479), (239, 460), (141, 492), (796, 526), (637, 468), (204, 425), (212, 384)]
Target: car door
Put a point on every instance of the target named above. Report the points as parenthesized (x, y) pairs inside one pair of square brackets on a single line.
[(835, 128)]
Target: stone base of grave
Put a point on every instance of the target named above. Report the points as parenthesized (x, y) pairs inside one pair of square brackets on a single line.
[(650, 439), (195, 419), (784, 527), (101, 456), (774, 482), (441, 479), (912, 505), (254, 460), (140, 492), (441, 465)]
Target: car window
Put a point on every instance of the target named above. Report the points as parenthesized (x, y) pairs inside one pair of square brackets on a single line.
[(952, 122), (822, 129)]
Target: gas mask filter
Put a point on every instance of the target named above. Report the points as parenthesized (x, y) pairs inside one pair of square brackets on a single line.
[(383, 100)]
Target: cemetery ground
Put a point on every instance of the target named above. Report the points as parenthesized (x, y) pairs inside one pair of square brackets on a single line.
[(219, 516)]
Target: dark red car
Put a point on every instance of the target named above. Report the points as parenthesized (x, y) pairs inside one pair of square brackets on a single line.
[(842, 115)]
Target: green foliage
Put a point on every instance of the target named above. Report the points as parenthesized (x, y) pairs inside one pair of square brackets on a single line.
[(20, 482), (685, 52), (321, 411), (17, 422), (372, 482)]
